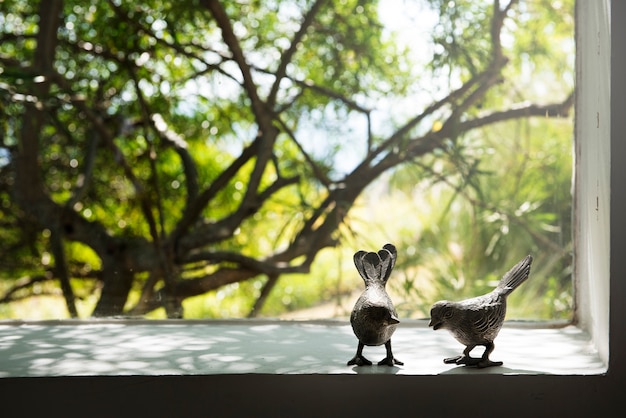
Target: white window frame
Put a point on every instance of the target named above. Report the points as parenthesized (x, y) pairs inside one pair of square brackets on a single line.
[(592, 171), (600, 270)]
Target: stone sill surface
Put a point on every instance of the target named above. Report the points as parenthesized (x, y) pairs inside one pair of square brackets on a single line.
[(154, 348)]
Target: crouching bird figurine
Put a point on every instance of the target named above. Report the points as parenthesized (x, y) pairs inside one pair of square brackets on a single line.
[(478, 320), (374, 318)]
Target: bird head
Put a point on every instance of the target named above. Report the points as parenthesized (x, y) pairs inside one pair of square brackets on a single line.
[(440, 314)]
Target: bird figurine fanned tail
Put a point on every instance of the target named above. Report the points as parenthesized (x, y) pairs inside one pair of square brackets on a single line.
[(374, 318), (477, 321)]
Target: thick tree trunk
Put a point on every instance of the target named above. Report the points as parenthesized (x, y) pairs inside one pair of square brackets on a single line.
[(28, 188), (117, 282)]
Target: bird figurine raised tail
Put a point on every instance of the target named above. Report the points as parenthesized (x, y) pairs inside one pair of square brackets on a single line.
[(374, 318), (478, 320)]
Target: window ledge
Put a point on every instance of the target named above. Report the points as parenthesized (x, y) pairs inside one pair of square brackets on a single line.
[(108, 347)]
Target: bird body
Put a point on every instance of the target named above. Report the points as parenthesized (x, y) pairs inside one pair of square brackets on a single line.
[(477, 321), (374, 318), (373, 322)]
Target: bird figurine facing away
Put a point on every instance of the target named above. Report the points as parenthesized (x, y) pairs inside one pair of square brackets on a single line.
[(374, 318), (478, 320)]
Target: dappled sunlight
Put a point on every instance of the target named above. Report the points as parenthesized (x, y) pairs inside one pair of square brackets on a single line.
[(563, 352), (270, 347)]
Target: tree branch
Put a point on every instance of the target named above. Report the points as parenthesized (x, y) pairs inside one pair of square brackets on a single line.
[(174, 140), (24, 283), (84, 179), (286, 57), (271, 282), (317, 172), (551, 110), (450, 99), (269, 266), (491, 74), (224, 228), (223, 21), (60, 267), (324, 91), (192, 212)]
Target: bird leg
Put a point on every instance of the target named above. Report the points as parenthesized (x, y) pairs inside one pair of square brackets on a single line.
[(464, 358), (358, 358), (484, 361), (390, 360), (480, 362)]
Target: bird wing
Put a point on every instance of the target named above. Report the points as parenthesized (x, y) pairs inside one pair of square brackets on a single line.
[(485, 317), (489, 316)]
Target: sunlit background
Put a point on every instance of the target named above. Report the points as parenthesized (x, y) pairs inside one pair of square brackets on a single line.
[(460, 216)]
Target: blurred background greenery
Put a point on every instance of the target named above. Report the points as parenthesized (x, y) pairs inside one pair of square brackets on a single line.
[(148, 107)]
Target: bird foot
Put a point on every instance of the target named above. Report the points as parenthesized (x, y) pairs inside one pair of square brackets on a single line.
[(453, 360), (478, 362), (390, 361), (488, 363), (359, 361)]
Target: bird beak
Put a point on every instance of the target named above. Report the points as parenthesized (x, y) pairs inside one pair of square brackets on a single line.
[(393, 320), (435, 325)]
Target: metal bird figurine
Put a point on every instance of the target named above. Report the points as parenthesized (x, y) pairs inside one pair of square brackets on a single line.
[(478, 320), (374, 318)]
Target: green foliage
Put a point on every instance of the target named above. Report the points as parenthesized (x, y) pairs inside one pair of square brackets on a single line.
[(461, 37), (469, 232), (149, 107)]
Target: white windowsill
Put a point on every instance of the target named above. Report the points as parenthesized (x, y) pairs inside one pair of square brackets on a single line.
[(107, 348)]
